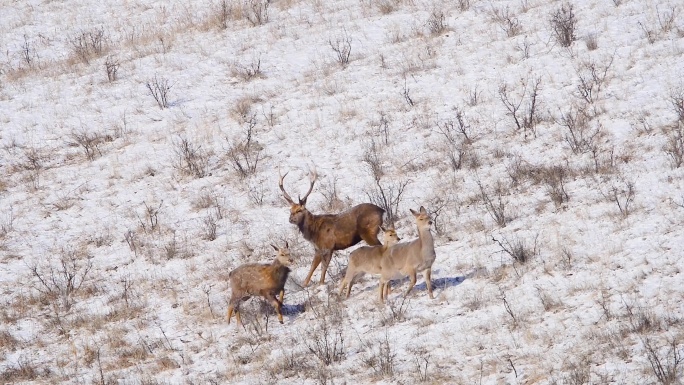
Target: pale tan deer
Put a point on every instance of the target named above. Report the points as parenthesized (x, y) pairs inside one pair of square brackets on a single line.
[(366, 259), (330, 232), (263, 279), (410, 258)]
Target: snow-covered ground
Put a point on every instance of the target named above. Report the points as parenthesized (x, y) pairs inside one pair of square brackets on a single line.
[(554, 176)]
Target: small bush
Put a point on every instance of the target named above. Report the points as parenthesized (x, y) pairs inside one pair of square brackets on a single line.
[(112, 68), (90, 142), (190, 159), (28, 52), (89, 44), (245, 152), (524, 116), (62, 279), (622, 194), (580, 135), (384, 193), (381, 357), (436, 23), (666, 365), (250, 70), (342, 47), (507, 21), (555, 178), (518, 249), (256, 11), (209, 227), (592, 78), (495, 203), (563, 22), (591, 42), (159, 88), (22, 371)]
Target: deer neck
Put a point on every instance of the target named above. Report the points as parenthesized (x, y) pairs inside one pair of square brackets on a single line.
[(307, 226), (427, 243)]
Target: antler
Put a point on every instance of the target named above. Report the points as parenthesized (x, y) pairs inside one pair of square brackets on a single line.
[(313, 176), (285, 194)]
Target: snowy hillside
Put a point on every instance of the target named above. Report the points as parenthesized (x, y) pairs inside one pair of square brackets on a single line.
[(141, 144)]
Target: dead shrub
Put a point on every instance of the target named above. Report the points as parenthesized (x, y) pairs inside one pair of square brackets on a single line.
[(436, 23), (23, 370), (190, 159), (89, 44), (159, 88), (385, 193), (592, 78), (342, 47), (518, 248), (380, 357), (581, 134), (90, 142), (249, 70), (112, 68), (621, 193), (526, 117), (245, 153), (8, 343), (555, 178), (564, 22), (665, 363), (507, 21), (256, 11), (62, 278), (495, 202)]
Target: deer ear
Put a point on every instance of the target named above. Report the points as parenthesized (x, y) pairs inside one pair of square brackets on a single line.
[(287, 245), (415, 214), (383, 229), (422, 210), (274, 246)]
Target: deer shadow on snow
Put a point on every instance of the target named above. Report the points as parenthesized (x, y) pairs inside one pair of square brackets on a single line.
[(437, 283)]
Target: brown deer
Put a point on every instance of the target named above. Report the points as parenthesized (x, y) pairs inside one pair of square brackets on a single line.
[(409, 258), (366, 259), (262, 279), (330, 232)]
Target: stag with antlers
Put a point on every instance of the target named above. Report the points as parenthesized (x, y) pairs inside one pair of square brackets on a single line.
[(330, 232)]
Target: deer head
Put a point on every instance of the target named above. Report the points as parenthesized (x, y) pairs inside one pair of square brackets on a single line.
[(283, 255), (422, 218), (390, 236), (297, 210)]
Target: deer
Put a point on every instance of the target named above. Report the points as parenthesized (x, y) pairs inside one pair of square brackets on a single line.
[(260, 279), (410, 258), (366, 259), (331, 232)]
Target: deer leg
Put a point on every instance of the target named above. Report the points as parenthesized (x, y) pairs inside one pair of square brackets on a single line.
[(412, 283), (343, 285), (229, 313), (382, 291), (349, 286), (326, 262), (314, 266), (346, 281), (237, 317), (428, 281), (282, 295), (278, 307)]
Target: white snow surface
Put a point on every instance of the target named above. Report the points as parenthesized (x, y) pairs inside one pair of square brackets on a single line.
[(108, 271)]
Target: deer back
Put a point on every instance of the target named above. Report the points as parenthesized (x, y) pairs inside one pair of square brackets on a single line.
[(256, 278), (340, 231)]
